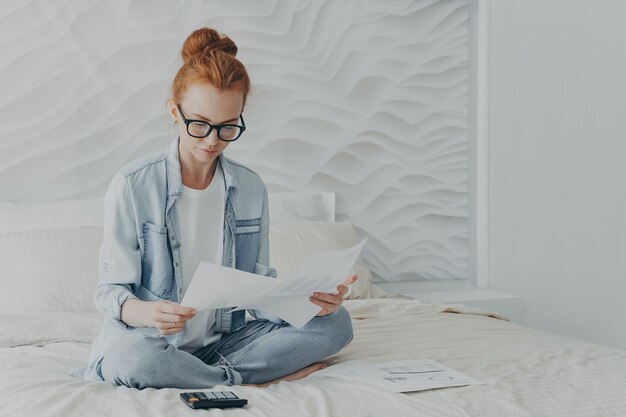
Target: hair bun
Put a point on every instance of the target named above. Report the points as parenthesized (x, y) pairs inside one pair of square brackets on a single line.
[(204, 41)]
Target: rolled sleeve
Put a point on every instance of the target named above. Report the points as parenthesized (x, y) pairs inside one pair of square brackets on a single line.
[(119, 264)]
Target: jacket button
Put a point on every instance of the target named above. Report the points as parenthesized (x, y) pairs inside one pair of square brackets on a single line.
[(176, 263)]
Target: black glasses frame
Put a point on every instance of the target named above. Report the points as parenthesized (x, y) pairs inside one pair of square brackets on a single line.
[(242, 127)]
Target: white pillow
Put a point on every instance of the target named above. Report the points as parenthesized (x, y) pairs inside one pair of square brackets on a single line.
[(293, 241), (320, 206), (53, 270), (49, 251)]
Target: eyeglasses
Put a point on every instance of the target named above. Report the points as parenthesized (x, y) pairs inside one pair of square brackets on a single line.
[(202, 129)]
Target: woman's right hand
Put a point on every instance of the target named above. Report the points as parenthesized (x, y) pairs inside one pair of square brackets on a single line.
[(170, 317), (167, 316)]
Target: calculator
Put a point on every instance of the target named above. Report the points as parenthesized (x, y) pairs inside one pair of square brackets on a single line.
[(212, 399)]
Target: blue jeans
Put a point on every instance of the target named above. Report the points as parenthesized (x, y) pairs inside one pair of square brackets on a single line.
[(259, 352)]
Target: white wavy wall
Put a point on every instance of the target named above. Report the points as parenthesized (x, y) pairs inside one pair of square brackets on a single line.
[(368, 99)]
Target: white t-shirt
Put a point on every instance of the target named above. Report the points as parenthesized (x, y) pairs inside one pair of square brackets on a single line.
[(200, 219)]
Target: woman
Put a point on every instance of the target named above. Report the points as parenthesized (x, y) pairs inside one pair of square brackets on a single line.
[(166, 212)]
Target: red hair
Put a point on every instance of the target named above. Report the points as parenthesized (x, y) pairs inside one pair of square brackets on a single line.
[(209, 57)]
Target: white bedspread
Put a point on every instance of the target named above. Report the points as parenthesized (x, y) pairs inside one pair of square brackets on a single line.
[(527, 372)]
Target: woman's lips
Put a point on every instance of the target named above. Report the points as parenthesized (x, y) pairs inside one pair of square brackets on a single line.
[(209, 152)]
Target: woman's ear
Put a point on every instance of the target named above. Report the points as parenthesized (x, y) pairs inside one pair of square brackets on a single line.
[(171, 110)]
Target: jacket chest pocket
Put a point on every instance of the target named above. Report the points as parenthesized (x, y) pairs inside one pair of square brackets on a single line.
[(157, 272), (247, 240)]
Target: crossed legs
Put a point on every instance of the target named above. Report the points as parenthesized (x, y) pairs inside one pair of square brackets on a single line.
[(259, 353)]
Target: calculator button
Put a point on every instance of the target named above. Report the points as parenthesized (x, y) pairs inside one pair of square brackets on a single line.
[(230, 395), (221, 395), (211, 395), (202, 396)]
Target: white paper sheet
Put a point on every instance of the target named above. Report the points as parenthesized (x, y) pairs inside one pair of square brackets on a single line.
[(214, 286), (403, 376)]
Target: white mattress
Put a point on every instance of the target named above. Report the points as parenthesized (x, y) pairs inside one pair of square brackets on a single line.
[(527, 372)]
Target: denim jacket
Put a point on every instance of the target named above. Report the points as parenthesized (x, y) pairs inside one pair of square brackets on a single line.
[(140, 253)]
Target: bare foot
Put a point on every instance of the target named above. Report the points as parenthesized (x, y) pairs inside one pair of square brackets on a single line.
[(292, 376)]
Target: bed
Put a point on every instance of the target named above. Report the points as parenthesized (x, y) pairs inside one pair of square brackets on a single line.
[(525, 372)]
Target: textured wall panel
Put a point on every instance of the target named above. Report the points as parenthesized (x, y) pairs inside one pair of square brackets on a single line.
[(368, 99)]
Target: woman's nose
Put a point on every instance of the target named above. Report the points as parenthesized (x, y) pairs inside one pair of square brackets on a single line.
[(212, 138)]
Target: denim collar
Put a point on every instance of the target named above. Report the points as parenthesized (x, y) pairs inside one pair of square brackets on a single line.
[(175, 179)]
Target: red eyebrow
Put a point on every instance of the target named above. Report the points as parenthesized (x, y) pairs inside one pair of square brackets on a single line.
[(209, 120)]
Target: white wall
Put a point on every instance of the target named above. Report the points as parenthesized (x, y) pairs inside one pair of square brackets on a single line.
[(557, 134), (366, 99)]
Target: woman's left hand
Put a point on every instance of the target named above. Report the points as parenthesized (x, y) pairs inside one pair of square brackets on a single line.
[(332, 302)]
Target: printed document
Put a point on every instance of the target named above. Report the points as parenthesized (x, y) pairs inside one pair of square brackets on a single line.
[(214, 286), (402, 376)]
